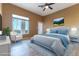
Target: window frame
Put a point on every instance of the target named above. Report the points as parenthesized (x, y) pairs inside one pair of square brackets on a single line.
[(22, 23)]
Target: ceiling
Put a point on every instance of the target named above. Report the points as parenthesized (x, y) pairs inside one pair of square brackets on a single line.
[(33, 7)]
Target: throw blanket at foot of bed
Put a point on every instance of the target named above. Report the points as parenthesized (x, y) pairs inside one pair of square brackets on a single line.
[(64, 38), (49, 43)]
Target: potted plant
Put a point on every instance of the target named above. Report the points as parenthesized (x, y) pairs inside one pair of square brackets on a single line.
[(6, 32)]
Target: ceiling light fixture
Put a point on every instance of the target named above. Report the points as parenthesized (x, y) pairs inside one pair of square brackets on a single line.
[(46, 7)]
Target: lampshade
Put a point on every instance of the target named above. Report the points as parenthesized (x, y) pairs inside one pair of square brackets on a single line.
[(0, 32), (48, 29), (73, 30)]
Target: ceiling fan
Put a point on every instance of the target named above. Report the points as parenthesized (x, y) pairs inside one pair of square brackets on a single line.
[(46, 6)]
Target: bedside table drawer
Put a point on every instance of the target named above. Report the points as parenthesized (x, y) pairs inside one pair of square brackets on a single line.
[(74, 39)]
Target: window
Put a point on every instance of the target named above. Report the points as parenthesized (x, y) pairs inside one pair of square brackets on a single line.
[(20, 24)]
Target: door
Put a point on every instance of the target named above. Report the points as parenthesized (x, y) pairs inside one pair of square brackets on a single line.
[(40, 28)]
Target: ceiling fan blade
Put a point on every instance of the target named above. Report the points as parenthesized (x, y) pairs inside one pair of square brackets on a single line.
[(51, 3), (44, 9), (40, 6), (50, 7)]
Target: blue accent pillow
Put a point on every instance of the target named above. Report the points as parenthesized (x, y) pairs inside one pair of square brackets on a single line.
[(63, 30), (60, 30), (53, 31)]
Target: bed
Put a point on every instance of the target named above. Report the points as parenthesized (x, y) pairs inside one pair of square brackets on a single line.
[(57, 42)]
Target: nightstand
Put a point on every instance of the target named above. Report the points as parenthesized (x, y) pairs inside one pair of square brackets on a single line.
[(74, 39)]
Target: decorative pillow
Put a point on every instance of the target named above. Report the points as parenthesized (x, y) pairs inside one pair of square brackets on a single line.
[(53, 31), (63, 30), (60, 30)]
